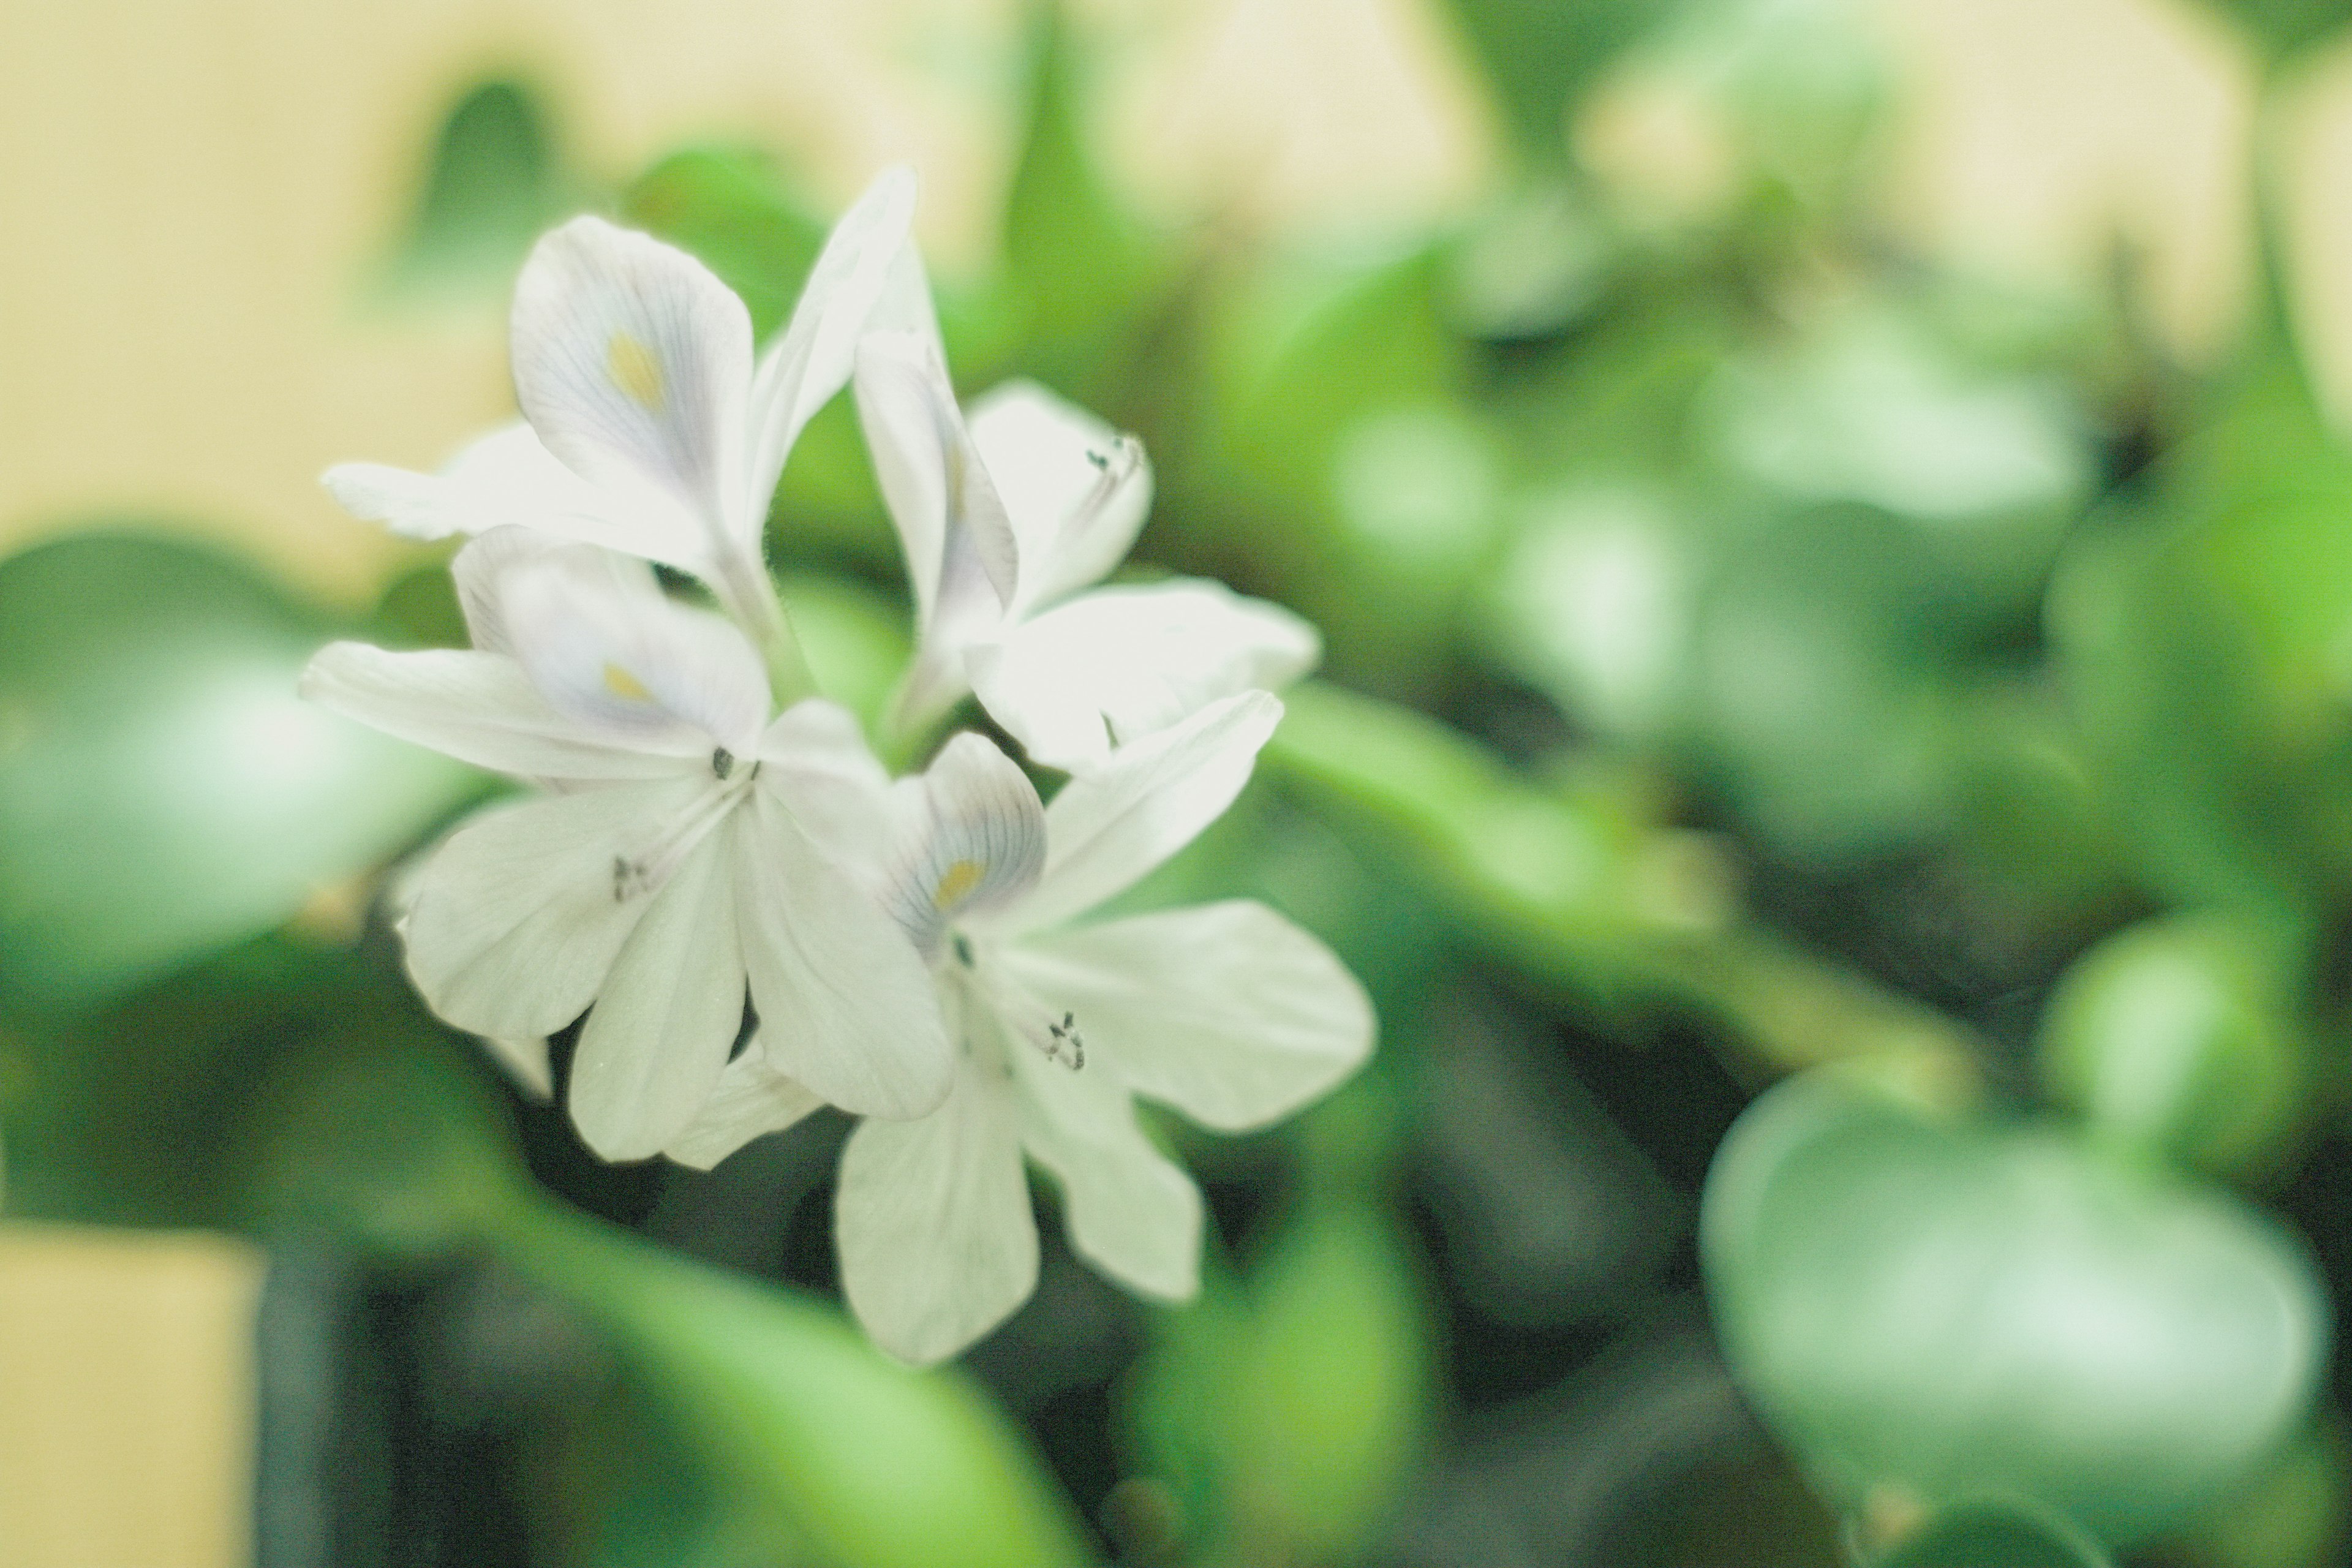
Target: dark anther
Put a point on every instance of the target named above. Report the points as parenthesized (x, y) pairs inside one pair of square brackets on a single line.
[(1097, 460), (723, 761), (1066, 1033), (962, 950)]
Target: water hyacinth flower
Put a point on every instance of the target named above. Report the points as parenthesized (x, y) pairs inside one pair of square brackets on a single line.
[(649, 425), (1005, 518), (1228, 1013), (674, 869)]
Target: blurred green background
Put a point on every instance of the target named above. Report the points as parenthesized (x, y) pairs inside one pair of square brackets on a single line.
[(1834, 538)]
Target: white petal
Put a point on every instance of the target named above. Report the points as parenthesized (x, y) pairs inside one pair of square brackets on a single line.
[(525, 1059), (1120, 663), (905, 305), (845, 1004), (1130, 1211), (478, 571), (1112, 824), (811, 359), (421, 505), (1074, 489), (815, 757), (969, 837), (515, 920), (932, 1217), (633, 365), (604, 644), (1228, 1012), (752, 1098), (961, 555), (666, 1015), (508, 477), (479, 708)]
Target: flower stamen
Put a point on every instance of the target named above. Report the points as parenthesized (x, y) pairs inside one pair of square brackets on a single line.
[(1065, 1036)]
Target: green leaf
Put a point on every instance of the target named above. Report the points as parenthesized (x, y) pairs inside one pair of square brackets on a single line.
[(162, 791), (1595, 602), (1811, 692), (496, 178), (1542, 54), (1291, 1410), (859, 1461), (730, 207), (1995, 1535), (2200, 637), (856, 640), (1934, 1311), (1306, 360), (2283, 28), (842, 1455), (2292, 1515), (1084, 271), (1974, 474), (1348, 474), (2178, 1037), (138, 1113)]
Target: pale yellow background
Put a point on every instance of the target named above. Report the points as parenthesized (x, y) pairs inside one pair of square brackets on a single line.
[(192, 191), (126, 1392)]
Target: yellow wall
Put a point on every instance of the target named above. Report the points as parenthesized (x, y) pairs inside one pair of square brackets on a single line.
[(126, 1380), (190, 189)]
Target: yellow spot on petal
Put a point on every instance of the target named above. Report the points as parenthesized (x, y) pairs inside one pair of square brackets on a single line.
[(957, 885), (622, 684), (635, 369)]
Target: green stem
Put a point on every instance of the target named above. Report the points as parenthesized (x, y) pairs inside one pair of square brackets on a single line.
[(751, 593), (1619, 911)]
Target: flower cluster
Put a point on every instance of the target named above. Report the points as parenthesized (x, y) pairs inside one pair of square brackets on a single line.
[(714, 868)]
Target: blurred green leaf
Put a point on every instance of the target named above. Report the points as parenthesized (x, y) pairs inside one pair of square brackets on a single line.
[(1348, 477), (140, 1112), (495, 179), (1547, 879), (2201, 636), (730, 207), (1542, 54), (1583, 889), (1293, 1408), (1936, 1311), (1995, 1535), (2180, 1037), (162, 791), (1815, 692), (847, 1458), (1305, 359), (1801, 85), (1594, 605), (1084, 271), (2030, 823), (1975, 474), (860, 1462), (2283, 28), (2290, 1515), (856, 640)]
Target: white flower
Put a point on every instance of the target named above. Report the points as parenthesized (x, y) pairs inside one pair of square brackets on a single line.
[(1227, 1012), (649, 428), (1004, 518), (674, 869)]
